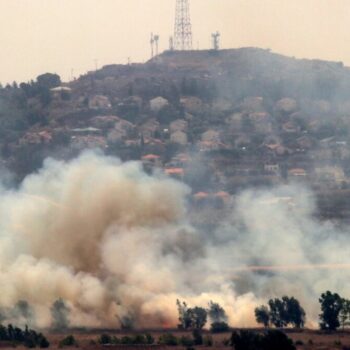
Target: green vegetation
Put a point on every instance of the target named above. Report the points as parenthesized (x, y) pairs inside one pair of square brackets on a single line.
[(137, 339), (272, 340), (168, 339), (191, 318), (331, 306), (196, 318), (219, 327), (27, 337), (60, 315), (281, 313), (285, 312), (68, 341)]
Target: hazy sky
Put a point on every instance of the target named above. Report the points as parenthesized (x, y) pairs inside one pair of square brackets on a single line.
[(37, 36)]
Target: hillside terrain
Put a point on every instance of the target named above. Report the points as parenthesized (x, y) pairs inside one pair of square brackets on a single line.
[(220, 121)]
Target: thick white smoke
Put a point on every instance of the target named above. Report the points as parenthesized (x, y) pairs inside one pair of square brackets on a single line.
[(114, 243)]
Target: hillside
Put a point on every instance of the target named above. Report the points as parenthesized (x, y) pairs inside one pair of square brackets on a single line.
[(219, 120)]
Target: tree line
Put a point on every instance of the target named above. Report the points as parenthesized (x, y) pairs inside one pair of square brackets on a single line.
[(287, 312), (26, 337), (23, 313), (197, 317), (279, 313)]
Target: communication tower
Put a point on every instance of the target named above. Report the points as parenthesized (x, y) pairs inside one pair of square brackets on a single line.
[(183, 28)]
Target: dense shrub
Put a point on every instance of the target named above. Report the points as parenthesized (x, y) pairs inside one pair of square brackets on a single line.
[(197, 337), (138, 339), (68, 341), (219, 327), (105, 339), (272, 340), (149, 339), (168, 339), (246, 340), (186, 341), (208, 340), (44, 343), (276, 340)]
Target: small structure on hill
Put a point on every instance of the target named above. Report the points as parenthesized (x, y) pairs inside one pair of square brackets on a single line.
[(158, 104)]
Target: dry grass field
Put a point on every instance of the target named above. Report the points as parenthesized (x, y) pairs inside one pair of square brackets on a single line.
[(87, 340), (307, 339)]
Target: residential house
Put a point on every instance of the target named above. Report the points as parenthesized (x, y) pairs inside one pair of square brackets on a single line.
[(176, 173), (286, 105), (149, 128), (158, 103), (178, 125), (211, 136), (99, 102), (192, 104), (179, 137)]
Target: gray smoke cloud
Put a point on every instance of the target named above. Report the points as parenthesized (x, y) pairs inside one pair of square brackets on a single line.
[(116, 244)]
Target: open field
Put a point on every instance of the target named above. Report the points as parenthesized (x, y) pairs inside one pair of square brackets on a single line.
[(310, 339)]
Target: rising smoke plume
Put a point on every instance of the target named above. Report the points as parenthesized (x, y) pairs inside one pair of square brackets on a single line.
[(116, 244)]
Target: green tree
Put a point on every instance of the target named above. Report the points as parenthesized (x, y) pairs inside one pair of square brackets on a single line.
[(216, 313), (331, 305), (262, 315), (284, 312), (344, 314), (48, 80), (295, 314), (23, 310), (199, 317), (195, 318), (185, 319), (278, 313), (60, 314)]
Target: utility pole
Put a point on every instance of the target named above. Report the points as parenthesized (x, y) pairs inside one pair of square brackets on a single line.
[(171, 43), (183, 27)]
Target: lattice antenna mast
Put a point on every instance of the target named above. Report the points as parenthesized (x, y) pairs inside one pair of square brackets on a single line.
[(183, 28)]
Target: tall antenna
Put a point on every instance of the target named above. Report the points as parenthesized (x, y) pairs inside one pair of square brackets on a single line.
[(152, 45), (216, 41), (156, 40), (171, 43), (183, 28)]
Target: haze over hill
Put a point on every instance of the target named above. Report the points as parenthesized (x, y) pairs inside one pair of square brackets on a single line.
[(227, 157), (256, 117)]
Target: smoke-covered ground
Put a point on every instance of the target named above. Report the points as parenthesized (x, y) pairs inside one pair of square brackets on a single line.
[(116, 245)]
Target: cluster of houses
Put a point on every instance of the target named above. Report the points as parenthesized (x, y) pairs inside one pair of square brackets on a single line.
[(239, 143)]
